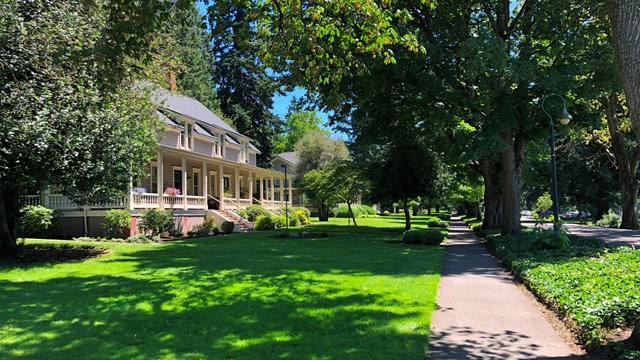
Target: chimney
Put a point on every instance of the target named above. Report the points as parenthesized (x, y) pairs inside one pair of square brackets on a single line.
[(171, 77)]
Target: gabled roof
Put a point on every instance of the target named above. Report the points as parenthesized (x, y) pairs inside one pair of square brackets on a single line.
[(291, 157), (191, 108)]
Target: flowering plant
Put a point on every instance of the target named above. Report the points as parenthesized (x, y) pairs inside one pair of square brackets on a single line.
[(139, 190), (171, 191)]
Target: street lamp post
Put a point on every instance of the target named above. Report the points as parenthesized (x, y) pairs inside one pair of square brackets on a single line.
[(564, 119), (286, 198)]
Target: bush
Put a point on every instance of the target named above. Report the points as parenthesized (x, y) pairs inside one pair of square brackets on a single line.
[(302, 216), (444, 217), (306, 211), (293, 217), (139, 238), (227, 227), (117, 222), (34, 220), (437, 223), (343, 212), (366, 209), (210, 224), (424, 237), (253, 211), (279, 221), (243, 214), (208, 228), (385, 213), (264, 223), (610, 220), (156, 222)]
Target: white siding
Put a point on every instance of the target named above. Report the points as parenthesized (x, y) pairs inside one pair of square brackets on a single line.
[(203, 147), (232, 154), (171, 139), (252, 159)]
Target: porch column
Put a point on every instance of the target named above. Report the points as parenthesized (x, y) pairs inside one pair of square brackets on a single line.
[(281, 189), (250, 180), (130, 193), (160, 177), (237, 180), (221, 186), (185, 186), (205, 183), (261, 189), (273, 192)]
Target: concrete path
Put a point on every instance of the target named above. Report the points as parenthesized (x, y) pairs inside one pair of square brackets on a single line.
[(482, 314), (618, 237)]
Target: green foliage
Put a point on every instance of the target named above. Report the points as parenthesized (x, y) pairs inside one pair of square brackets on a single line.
[(318, 186), (548, 239), (437, 223), (117, 222), (141, 239), (227, 227), (296, 125), (304, 215), (318, 151), (367, 209), (543, 203), (156, 222), (279, 221), (253, 211), (306, 211), (609, 220), (343, 212), (243, 213), (423, 237), (385, 213), (293, 217), (264, 223), (35, 220), (445, 217), (595, 286), (208, 228)]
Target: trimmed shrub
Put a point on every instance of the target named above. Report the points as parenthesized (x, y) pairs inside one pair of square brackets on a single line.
[(422, 237), (141, 239), (306, 211), (253, 211), (117, 222), (385, 213), (302, 216), (437, 223), (366, 209), (343, 211), (34, 220), (610, 220), (156, 222), (227, 227), (293, 217), (263, 223), (444, 217), (210, 224), (279, 221), (243, 214)]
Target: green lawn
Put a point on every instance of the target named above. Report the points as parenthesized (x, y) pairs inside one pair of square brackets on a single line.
[(353, 295)]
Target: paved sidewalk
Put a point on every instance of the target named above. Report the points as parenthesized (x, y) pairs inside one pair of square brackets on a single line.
[(482, 314)]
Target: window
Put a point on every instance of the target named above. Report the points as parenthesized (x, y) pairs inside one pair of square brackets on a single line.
[(177, 179), (186, 135), (244, 152), (196, 182), (226, 182), (217, 151), (154, 179)]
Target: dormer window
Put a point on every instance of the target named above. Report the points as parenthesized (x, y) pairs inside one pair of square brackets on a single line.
[(217, 145), (186, 135), (244, 152)]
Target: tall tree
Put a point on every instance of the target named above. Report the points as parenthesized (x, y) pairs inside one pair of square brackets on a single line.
[(245, 88), (296, 125), (72, 113), (625, 22), (318, 150), (193, 55)]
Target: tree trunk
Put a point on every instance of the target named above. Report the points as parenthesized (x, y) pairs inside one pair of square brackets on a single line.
[(492, 194), (602, 207), (407, 216), (429, 209), (512, 160), (437, 207), (9, 209), (323, 212), (352, 214), (625, 22), (627, 164)]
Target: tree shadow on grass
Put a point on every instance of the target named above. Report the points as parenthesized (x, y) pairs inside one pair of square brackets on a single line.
[(223, 298)]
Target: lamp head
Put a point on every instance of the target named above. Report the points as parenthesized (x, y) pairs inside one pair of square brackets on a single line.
[(565, 117)]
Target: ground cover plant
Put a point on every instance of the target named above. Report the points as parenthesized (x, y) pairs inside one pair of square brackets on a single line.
[(593, 286), (352, 295)]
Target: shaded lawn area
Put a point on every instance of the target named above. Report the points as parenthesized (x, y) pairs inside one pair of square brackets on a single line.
[(242, 296), (595, 287)]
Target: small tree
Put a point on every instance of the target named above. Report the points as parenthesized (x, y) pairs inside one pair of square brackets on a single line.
[(543, 203), (348, 183), (318, 186)]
